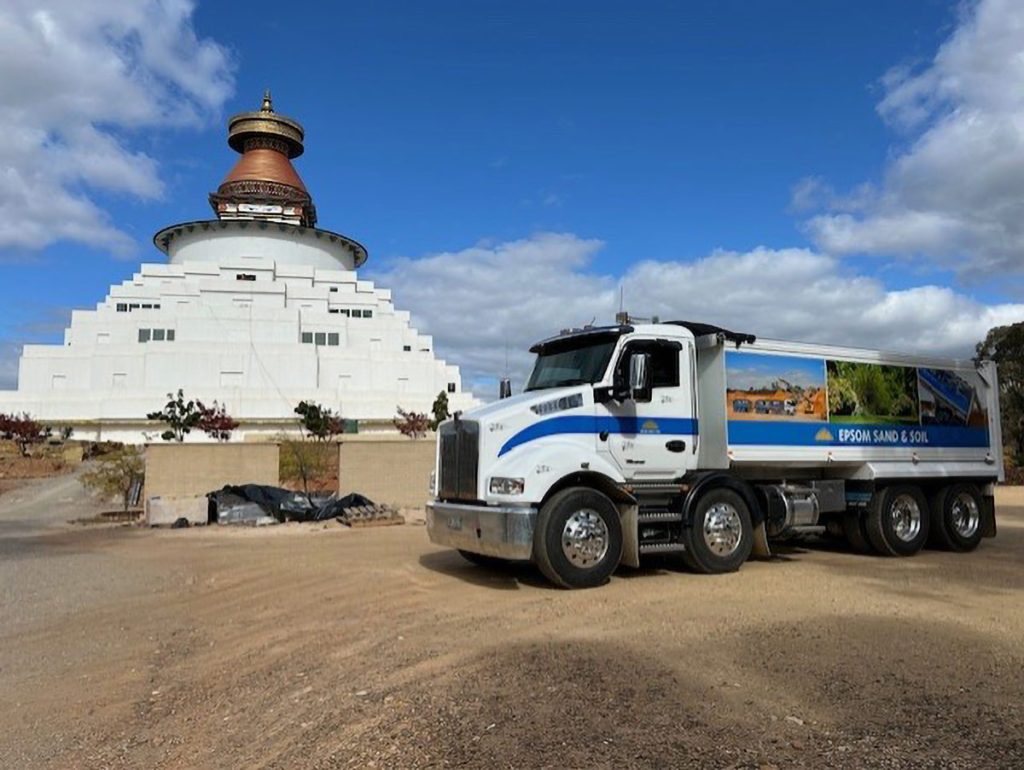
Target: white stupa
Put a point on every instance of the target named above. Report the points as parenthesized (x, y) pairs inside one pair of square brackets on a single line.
[(257, 309)]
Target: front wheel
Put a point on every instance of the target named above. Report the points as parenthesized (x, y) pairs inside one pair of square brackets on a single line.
[(720, 534), (578, 539)]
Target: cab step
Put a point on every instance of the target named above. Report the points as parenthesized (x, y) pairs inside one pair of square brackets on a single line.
[(648, 487), (652, 517), (649, 548)]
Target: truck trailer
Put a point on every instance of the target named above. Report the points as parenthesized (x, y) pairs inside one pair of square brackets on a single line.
[(665, 438)]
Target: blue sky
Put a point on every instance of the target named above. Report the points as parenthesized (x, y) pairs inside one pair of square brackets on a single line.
[(648, 137)]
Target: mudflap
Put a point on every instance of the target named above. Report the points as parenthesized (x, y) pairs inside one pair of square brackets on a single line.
[(630, 535), (761, 549), (988, 516)]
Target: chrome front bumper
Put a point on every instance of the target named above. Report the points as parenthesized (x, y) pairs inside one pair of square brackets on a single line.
[(503, 531)]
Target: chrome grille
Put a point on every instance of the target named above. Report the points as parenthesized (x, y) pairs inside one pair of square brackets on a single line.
[(460, 444)]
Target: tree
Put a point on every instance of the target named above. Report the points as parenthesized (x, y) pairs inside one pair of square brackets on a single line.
[(412, 424), (310, 458), (215, 421), (181, 417), (117, 475), (1005, 346), (319, 421), (439, 410), (23, 431)]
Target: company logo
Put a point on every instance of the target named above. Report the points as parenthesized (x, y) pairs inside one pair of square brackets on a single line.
[(650, 426), (824, 435)]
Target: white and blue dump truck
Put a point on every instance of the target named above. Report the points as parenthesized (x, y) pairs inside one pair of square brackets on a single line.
[(690, 439)]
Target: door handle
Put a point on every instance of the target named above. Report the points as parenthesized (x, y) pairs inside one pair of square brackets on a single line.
[(676, 446)]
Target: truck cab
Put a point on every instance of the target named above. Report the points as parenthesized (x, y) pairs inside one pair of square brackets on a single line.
[(618, 447)]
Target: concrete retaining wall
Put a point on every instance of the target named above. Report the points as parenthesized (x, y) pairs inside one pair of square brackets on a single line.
[(393, 471), (188, 470), (164, 511)]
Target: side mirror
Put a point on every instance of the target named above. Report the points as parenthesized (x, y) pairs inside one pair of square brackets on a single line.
[(640, 377)]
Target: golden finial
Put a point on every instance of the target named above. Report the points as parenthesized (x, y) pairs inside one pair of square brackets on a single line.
[(268, 105)]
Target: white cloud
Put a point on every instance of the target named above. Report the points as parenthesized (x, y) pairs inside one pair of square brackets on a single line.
[(478, 300), (80, 77), (956, 192)]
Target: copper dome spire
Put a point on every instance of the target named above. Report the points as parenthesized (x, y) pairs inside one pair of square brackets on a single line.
[(263, 183)]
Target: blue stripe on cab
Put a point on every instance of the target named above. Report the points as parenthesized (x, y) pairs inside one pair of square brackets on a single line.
[(628, 426)]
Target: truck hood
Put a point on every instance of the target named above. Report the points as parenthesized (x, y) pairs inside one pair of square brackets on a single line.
[(520, 405)]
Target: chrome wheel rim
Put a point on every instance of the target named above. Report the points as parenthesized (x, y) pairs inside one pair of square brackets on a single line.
[(584, 538), (964, 515), (723, 529), (906, 517)]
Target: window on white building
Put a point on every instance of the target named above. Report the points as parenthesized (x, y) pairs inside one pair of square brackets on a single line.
[(367, 314), (407, 348), (332, 339), (307, 338), (333, 289), (451, 387), (144, 335), (122, 307), (320, 338), (245, 277), (158, 335), (170, 335)]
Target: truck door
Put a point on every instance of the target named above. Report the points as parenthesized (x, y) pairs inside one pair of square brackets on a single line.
[(655, 439)]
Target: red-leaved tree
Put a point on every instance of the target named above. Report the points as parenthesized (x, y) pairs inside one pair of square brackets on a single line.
[(412, 424), (215, 421), (23, 431)]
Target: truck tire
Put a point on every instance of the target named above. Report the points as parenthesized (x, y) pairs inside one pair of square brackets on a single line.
[(719, 534), (956, 518), (856, 535), (898, 521), (578, 539), (483, 560)]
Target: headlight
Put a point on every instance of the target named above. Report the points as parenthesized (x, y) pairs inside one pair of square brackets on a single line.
[(505, 486), (433, 483)]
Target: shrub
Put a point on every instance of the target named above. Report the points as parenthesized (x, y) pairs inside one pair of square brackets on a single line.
[(117, 475)]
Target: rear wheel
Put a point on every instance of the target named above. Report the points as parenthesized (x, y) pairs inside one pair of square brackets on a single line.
[(853, 530), (720, 533), (897, 523), (956, 517), (578, 539)]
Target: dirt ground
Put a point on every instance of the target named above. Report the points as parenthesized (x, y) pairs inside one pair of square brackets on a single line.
[(299, 646)]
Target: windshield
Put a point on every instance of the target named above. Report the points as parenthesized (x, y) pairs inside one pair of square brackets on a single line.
[(577, 362)]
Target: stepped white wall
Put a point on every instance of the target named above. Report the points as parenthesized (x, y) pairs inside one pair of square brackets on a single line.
[(287, 332)]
